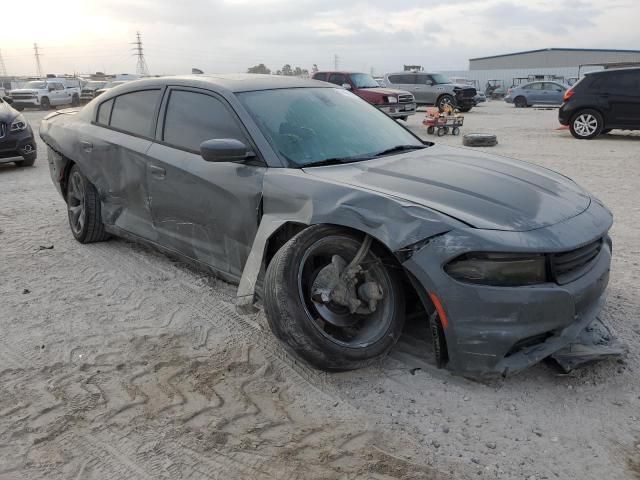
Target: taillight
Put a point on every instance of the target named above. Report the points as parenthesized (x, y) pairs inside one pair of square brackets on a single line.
[(568, 94)]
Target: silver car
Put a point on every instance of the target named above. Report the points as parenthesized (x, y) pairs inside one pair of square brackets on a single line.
[(433, 89), (536, 93)]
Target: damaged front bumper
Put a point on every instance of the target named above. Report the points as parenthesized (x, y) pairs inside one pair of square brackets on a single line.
[(501, 330)]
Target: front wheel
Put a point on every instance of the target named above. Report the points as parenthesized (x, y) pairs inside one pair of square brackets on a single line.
[(445, 102), (45, 104), (586, 124), (331, 327), (83, 207), (75, 101)]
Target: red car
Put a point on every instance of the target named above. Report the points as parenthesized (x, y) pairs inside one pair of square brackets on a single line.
[(395, 103)]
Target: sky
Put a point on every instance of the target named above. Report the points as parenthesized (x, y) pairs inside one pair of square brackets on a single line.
[(222, 36)]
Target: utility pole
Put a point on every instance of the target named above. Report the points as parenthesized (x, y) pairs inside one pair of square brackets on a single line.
[(141, 67), (3, 68), (38, 64), (336, 61)]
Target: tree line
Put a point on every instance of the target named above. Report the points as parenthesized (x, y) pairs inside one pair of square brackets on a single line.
[(287, 70)]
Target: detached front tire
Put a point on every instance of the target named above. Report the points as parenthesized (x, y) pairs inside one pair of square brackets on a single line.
[(83, 208), (325, 334)]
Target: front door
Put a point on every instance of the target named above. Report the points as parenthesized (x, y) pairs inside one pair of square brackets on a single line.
[(552, 93), (208, 211)]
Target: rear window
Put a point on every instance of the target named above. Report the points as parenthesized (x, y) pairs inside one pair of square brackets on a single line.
[(619, 82), (134, 112), (104, 112), (404, 79), (320, 76)]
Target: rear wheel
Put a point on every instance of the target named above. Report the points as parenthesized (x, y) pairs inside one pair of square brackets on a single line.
[(520, 102), (307, 310), (83, 207), (586, 124)]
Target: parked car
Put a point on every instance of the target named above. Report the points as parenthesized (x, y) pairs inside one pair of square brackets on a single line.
[(395, 103), (356, 221), (16, 137), (536, 93), (480, 96), (44, 94), (433, 89), (602, 101), (90, 88)]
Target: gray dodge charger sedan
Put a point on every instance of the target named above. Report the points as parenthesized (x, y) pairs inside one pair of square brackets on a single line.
[(340, 220)]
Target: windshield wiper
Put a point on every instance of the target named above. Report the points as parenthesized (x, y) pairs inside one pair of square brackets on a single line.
[(399, 148), (335, 161)]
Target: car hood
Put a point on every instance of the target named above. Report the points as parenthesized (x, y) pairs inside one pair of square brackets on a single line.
[(24, 90), (482, 190), (7, 114), (383, 91)]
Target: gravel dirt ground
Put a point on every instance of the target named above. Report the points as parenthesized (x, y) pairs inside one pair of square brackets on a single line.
[(117, 362)]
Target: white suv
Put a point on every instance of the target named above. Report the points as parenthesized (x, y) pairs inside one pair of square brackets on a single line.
[(47, 93)]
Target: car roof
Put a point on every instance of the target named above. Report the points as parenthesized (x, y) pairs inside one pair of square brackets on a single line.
[(346, 72), (409, 73), (235, 83), (614, 70)]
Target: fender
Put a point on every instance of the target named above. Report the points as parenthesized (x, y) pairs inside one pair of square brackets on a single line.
[(293, 196)]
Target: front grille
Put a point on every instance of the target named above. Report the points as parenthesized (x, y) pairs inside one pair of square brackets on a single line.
[(467, 92), (568, 266), (404, 98), (19, 96), (3, 130)]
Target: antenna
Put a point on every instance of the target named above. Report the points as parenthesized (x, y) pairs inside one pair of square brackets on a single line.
[(3, 68), (141, 67), (37, 54)]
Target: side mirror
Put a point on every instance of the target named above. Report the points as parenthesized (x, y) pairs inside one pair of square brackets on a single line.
[(9, 100), (223, 150), (347, 86)]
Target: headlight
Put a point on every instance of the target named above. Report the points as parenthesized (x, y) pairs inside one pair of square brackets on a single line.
[(392, 99), (499, 269), (19, 124)]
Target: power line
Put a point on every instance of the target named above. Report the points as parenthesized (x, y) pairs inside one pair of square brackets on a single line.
[(3, 68), (141, 67), (38, 55)]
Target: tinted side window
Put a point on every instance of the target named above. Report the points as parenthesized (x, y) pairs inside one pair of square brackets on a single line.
[(338, 78), (403, 79), (620, 82), (554, 87), (104, 112), (133, 112), (533, 86), (320, 76), (192, 118)]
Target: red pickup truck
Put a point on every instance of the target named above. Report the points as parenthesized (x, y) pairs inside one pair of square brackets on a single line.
[(395, 103)]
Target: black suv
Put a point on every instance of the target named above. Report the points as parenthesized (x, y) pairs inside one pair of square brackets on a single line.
[(602, 101), (16, 137)]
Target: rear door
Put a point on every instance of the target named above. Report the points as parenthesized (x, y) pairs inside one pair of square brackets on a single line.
[(622, 90), (117, 143), (208, 211), (403, 81), (534, 93)]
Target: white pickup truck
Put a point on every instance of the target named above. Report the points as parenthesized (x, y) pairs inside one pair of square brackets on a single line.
[(44, 94)]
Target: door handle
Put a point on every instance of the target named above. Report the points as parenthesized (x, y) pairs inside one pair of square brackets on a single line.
[(157, 171), (86, 146)]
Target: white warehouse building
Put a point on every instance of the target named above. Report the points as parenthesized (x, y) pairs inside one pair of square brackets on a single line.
[(562, 63)]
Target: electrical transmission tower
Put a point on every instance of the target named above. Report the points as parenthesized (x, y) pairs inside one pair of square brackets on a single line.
[(3, 68), (141, 67), (336, 61), (38, 55)]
